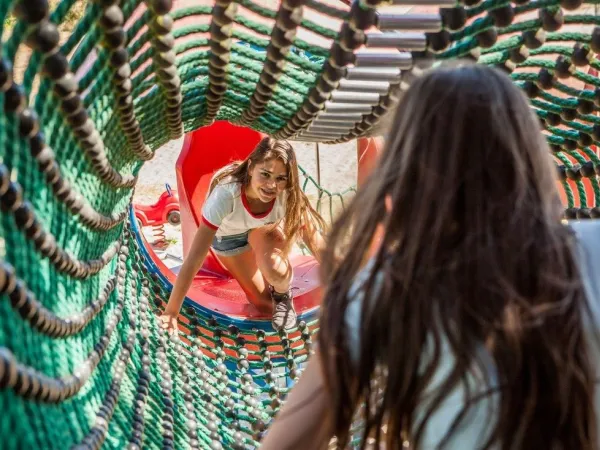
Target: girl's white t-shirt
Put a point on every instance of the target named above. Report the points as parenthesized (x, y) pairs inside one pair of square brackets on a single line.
[(227, 210)]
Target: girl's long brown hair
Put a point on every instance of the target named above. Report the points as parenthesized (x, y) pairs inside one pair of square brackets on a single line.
[(299, 211), (474, 261)]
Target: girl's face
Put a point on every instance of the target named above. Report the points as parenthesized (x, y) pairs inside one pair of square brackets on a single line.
[(267, 180)]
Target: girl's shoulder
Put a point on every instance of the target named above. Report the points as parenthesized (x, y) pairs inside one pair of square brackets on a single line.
[(222, 195), (229, 184)]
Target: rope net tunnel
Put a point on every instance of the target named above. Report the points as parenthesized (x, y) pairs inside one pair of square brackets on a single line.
[(82, 361)]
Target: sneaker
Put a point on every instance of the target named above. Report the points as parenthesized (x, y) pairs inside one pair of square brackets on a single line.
[(284, 315)]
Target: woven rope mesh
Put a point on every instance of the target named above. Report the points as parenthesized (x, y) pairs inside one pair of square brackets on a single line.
[(82, 361)]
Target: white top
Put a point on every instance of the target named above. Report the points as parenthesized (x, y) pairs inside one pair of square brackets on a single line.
[(227, 210), (476, 426)]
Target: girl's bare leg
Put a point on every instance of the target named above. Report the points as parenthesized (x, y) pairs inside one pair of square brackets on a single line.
[(268, 245), (244, 269)]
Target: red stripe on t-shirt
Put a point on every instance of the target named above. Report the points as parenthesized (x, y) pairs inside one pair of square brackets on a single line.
[(208, 224)]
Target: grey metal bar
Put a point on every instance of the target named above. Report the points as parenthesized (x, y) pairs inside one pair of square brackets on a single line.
[(407, 41), (315, 129), (381, 87), (373, 74), (347, 107), (402, 60), (328, 133), (327, 123), (332, 125), (409, 22), (368, 98), (331, 116)]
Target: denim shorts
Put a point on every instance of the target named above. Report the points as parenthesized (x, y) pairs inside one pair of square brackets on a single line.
[(231, 245)]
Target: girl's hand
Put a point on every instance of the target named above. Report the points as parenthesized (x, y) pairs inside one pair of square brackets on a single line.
[(168, 321)]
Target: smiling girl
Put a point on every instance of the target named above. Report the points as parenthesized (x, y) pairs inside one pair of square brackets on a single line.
[(254, 212)]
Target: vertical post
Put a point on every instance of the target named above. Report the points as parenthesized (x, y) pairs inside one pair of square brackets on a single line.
[(368, 150), (318, 156)]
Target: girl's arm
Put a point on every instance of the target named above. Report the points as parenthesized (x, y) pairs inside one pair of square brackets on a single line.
[(303, 422), (189, 269)]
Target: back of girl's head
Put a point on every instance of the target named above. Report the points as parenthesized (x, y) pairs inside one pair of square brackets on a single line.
[(473, 254), (465, 148)]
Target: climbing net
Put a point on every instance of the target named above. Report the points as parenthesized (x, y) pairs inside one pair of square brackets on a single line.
[(82, 361)]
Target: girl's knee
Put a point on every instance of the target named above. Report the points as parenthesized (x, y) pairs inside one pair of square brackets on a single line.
[(268, 246), (266, 237), (275, 265), (277, 271)]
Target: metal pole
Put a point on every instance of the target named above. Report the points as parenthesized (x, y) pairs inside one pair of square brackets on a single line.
[(318, 156)]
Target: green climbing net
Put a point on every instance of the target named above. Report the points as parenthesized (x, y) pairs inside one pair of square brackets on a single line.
[(82, 361)]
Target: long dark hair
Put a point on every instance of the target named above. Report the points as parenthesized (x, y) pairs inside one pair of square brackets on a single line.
[(299, 211), (473, 261)]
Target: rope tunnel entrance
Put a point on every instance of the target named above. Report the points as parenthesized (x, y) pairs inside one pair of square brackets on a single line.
[(83, 363)]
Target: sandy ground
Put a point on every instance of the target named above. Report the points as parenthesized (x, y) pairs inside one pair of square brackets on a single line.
[(337, 173)]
